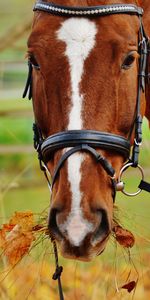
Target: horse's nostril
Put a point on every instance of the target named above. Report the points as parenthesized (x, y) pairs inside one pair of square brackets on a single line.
[(52, 223), (103, 229)]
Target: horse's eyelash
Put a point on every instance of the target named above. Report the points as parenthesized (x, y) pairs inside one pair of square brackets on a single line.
[(28, 55)]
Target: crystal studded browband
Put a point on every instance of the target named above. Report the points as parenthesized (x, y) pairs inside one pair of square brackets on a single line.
[(101, 10)]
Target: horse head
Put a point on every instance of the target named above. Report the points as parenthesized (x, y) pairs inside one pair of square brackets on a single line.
[(85, 78)]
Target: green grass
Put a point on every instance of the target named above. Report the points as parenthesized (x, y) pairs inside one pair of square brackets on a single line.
[(16, 131), (13, 105), (146, 130), (11, 77), (11, 54), (11, 162), (35, 199), (13, 13), (138, 206)]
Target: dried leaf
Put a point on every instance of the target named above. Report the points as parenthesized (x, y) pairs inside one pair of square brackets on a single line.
[(8, 227), (124, 237), (2, 238), (129, 286), (17, 236), (24, 219), (17, 244)]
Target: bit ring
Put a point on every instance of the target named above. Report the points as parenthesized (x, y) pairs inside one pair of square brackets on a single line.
[(125, 167)]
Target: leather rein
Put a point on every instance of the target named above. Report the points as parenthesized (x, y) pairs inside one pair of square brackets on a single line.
[(88, 140)]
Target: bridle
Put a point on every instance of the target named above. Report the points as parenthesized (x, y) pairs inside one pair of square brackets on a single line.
[(88, 140)]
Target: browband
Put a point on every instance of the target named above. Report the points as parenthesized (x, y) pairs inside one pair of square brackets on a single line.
[(93, 11), (72, 138)]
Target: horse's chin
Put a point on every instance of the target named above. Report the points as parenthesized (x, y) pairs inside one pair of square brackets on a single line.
[(81, 253), (79, 258)]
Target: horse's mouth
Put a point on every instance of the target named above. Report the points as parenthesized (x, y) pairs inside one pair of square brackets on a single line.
[(82, 253), (86, 252)]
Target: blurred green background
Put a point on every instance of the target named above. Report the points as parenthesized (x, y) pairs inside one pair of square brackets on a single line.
[(22, 186)]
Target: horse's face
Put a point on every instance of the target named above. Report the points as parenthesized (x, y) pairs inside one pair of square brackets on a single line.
[(87, 80)]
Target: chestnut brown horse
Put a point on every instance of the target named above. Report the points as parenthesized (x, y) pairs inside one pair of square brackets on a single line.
[(85, 78)]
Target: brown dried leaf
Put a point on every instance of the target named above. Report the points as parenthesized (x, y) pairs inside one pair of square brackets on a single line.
[(24, 219), (124, 237), (129, 286), (17, 236), (17, 244), (8, 227), (2, 238)]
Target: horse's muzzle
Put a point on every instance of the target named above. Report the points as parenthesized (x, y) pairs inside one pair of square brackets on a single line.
[(80, 241)]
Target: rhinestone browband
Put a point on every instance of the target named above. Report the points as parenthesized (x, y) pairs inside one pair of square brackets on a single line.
[(101, 10)]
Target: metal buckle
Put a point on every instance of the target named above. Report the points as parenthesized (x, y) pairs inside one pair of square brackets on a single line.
[(137, 143), (121, 185)]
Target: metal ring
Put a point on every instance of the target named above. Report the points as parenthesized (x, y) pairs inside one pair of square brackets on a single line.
[(120, 176), (137, 143)]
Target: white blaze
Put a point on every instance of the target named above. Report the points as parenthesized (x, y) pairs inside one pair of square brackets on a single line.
[(79, 36)]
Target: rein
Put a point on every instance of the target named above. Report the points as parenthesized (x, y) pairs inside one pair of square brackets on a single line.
[(88, 140)]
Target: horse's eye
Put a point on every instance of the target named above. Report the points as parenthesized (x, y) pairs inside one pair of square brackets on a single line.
[(128, 62), (34, 62)]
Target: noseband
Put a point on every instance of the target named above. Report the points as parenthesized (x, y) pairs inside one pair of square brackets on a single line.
[(88, 140)]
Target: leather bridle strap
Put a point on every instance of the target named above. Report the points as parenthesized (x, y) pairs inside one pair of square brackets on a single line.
[(99, 159), (143, 52), (28, 86), (83, 147), (90, 11), (83, 140), (79, 140), (95, 139)]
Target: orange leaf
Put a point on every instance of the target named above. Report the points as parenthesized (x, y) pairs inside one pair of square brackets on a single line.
[(24, 219), (16, 237), (17, 244), (124, 237), (2, 238), (129, 286), (8, 227)]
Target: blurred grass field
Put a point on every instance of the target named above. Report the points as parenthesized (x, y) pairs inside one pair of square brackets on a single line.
[(23, 188), (16, 130)]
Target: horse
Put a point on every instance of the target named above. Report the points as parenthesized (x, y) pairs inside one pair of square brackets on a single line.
[(88, 78)]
